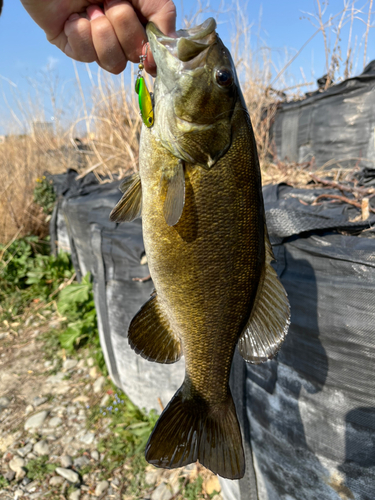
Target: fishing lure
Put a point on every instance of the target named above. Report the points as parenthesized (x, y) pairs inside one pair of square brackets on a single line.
[(144, 96)]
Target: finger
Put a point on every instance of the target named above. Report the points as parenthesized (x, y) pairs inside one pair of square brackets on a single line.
[(128, 28), (149, 62), (110, 55), (79, 44), (162, 13)]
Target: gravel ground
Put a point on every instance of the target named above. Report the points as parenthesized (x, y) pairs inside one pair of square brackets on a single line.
[(48, 447)]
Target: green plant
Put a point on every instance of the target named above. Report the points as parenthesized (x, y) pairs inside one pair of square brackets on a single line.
[(38, 468), (44, 194), (29, 273), (76, 303), (130, 430), (3, 482), (193, 490)]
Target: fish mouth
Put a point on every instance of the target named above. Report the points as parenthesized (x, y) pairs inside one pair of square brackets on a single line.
[(189, 47)]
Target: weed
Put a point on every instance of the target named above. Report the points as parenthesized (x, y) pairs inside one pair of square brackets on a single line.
[(29, 273), (3, 482), (76, 303), (44, 194), (38, 468), (193, 490)]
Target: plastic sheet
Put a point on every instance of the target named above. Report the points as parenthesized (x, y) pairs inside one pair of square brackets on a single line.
[(337, 125), (308, 417)]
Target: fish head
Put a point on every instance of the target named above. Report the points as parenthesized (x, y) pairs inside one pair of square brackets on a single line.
[(196, 91)]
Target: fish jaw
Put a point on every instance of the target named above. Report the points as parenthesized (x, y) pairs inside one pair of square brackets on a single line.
[(192, 110)]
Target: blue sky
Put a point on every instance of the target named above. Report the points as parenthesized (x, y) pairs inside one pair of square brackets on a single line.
[(25, 53)]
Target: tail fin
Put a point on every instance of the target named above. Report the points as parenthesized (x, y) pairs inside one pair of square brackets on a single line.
[(190, 430)]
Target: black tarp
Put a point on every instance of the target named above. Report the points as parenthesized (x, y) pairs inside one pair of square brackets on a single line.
[(308, 417), (335, 126)]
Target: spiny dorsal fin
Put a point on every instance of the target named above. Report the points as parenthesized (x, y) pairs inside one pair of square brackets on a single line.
[(130, 205), (151, 336), (173, 186), (270, 318)]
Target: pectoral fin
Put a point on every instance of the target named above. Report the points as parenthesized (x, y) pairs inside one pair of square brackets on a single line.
[(130, 205), (173, 187), (270, 318), (151, 336)]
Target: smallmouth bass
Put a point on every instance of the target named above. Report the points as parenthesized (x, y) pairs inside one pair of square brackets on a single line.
[(199, 192)]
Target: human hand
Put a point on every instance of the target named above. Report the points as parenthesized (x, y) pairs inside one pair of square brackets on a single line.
[(110, 32)]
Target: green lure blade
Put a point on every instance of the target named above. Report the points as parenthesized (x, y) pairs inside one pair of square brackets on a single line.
[(145, 102)]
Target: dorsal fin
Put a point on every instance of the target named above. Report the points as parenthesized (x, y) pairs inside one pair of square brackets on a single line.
[(270, 318), (130, 205)]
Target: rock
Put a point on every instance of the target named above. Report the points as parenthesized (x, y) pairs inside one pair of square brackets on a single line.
[(47, 364), (75, 495), (55, 379), (101, 488), (29, 409), (39, 401), (66, 461), (93, 372), (31, 485), (55, 422), (87, 438), (22, 452), (20, 474), (18, 494), (90, 362), (56, 481), (217, 497), (10, 475), (151, 476), (16, 463), (30, 456), (4, 402), (81, 462), (95, 455), (41, 448), (81, 364), (68, 474), (69, 364), (81, 399), (174, 481), (105, 400), (212, 485), (36, 420), (71, 410), (162, 492), (54, 324), (99, 384)]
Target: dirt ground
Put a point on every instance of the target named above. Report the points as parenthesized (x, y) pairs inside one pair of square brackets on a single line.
[(48, 447)]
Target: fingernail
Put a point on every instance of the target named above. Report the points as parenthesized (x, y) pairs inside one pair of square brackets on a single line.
[(94, 12), (73, 17)]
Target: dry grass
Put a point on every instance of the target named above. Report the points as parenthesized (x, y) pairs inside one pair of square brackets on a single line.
[(109, 124)]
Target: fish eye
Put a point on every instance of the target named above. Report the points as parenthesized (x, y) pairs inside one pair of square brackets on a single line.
[(224, 77)]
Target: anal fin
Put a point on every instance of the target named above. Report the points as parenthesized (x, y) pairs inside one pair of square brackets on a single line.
[(130, 205), (150, 334), (269, 321)]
